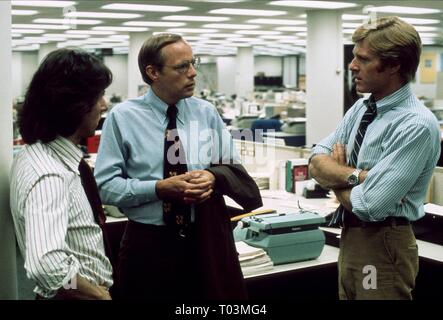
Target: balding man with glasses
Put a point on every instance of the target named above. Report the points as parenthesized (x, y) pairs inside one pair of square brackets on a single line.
[(166, 160)]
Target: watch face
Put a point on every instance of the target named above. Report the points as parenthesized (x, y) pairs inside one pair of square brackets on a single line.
[(352, 180)]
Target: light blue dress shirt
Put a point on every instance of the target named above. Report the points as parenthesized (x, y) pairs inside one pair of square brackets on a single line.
[(400, 149), (130, 155)]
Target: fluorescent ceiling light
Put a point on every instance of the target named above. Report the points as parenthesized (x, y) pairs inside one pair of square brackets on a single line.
[(238, 44), (16, 35), (105, 15), (193, 38), (208, 41), (279, 37), (221, 35), (299, 29), (53, 4), (351, 25), (55, 35), (120, 36), (248, 12), (428, 41), (34, 40), (23, 12), (93, 32), (294, 42), (69, 21), (196, 18), (284, 22), (144, 7), (33, 47), (231, 26), (247, 40), (354, 17), (192, 30), (153, 24), (99, 40), (66, 36), (314, 4), (348, 31), (42, 26), (258, 32), (409, 10), (428, 35), (425, 28), (33, 31), (420, 21), (124, 29)]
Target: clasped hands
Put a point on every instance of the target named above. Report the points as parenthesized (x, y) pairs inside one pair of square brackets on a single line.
[(193, 187)]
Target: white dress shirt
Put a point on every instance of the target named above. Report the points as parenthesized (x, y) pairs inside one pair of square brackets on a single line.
[(54, 223)]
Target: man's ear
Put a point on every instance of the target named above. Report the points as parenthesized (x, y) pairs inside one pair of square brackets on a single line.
[(152, 72), (395, 68)]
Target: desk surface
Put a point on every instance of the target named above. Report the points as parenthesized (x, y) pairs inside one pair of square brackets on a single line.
[(329, 255), (288, 202)]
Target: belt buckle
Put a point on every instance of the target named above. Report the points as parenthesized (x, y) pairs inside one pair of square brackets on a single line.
[(182, 232)]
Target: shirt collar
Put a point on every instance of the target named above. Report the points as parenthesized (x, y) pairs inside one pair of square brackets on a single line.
[(159, 107), (68, 152), (394, 99)]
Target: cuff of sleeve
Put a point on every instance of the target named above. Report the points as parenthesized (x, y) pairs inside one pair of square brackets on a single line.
[(359, 206), (319, 150), (73, 269), (145, 191)]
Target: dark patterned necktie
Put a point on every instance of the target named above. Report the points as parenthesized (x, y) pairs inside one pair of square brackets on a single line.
[(368, 117), (91, 191), (175, 213)]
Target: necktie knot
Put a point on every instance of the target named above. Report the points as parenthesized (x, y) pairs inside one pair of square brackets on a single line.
[(371, 106), (172, 112)]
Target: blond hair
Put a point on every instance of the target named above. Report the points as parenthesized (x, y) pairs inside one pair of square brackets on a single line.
[(394, 41)]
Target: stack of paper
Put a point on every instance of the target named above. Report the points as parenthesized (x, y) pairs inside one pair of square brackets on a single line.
[(252, 260)]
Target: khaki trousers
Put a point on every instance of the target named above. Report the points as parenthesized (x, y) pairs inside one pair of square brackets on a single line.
[(377, 263)]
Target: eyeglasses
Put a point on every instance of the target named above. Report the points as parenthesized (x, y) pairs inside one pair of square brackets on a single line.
[(184, 67)]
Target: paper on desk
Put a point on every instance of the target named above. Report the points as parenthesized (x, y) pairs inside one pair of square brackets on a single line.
[(433, 209)]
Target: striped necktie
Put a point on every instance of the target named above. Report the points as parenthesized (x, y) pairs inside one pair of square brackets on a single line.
[(368, 117), (175, 213)]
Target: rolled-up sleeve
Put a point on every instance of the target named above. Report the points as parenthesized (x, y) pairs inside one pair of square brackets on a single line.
[(394, 176), (48, 259)]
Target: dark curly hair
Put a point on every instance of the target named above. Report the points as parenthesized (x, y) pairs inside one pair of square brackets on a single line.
[(66, 86)]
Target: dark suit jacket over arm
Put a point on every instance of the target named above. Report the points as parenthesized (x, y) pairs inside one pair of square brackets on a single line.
[(220, 268)]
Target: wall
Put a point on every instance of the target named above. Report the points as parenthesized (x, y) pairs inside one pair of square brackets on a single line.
[(119, 66), (29, 66), (226, 67), (427, 90), (24, 64), (8, 268), (270, 66), (16, 74), (206, 77), (324, 74)]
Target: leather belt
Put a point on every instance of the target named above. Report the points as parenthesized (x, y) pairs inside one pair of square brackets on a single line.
[(351, 221)]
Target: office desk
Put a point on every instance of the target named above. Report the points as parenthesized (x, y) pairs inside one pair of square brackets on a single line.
[(317, 279), (290, 139)]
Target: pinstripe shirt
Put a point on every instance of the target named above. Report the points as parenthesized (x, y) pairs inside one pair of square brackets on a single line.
[(400, 149), (55, 227)]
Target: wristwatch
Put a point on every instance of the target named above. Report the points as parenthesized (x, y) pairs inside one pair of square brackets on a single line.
[(353, 178)]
